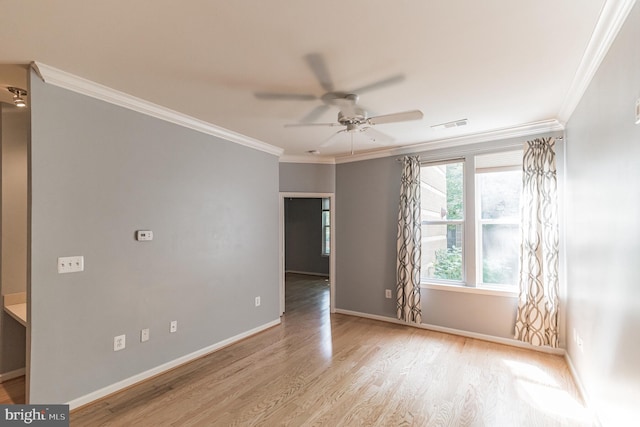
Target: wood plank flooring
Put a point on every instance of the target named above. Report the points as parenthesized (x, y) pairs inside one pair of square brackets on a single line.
[(12, 391), (318, 369)]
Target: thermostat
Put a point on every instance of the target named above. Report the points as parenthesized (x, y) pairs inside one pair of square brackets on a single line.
[(142, 235)]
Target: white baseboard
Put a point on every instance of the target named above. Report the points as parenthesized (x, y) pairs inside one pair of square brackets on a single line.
[(307, 273), (467, 334), (583, 392), (12, 374), (128, 382)]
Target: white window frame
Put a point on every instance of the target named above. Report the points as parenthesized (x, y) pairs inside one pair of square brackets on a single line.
[(480, 222), (471, 278), (326, 250), (462, 221)]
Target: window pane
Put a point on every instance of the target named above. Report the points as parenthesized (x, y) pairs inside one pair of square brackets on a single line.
[(327, 240), (442, 192), (455, 180), (326, 204), (442, 251), (325, 218), (500, 253), (500, 194)]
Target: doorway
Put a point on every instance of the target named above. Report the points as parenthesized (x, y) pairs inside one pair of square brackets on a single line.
[(14, 241), (331, 249)]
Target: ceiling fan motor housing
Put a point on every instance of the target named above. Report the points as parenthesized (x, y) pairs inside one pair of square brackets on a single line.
[(358, 118), (335, 98)]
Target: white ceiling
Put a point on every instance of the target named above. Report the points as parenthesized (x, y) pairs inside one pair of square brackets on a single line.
[(499, 63)]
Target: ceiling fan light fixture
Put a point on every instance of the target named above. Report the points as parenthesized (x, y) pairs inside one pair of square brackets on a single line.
[(18, 95)]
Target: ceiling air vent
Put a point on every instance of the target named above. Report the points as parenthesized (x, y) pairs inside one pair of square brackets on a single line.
[(450, 125)]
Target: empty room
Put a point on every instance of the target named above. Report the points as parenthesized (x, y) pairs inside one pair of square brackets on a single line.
[(320, 213)]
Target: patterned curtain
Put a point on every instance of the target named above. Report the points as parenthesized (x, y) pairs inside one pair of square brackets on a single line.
[(537, 316), (409, 243)]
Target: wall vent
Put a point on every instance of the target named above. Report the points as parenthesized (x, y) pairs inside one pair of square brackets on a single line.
[(450, 125)]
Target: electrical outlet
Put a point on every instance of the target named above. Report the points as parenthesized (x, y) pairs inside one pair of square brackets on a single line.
[(144, 235), (387, 293), (257, 301), (70, 264), (580, 343), (174, 326), (119, 342), (144, 335)]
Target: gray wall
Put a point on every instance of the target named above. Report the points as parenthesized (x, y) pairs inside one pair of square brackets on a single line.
[(99, 172), (303, 236), (367, 196), (603, 217), (13, 268), (307, 178)]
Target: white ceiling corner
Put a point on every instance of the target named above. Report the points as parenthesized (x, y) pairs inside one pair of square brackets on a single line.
[(612, 17)]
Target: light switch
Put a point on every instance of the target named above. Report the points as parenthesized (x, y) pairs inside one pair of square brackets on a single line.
[(144, 235)]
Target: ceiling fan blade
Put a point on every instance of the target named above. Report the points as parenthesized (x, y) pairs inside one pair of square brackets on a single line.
[(315, 114), (298, 125), (332, 139), (319, 67), (285, 96), (377, 136), (405, 116), (380, 83)]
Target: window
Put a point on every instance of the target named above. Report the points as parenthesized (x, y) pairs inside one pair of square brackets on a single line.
[(326, 226), (442, 210), (470, 211)]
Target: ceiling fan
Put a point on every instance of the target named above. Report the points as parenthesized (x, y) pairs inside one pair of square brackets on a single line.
[(353, 116), (332, 97), (358, 121)]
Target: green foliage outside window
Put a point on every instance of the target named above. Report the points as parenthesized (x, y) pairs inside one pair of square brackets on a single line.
[(448, 264)]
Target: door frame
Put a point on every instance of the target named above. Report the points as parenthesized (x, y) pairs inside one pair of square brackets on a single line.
[(281, 240)]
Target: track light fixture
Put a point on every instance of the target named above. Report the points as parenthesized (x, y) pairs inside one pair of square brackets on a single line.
[(18, 94)]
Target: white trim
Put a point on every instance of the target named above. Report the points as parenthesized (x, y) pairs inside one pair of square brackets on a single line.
[(583, 392), (507, 293), (287, 158), (495, 135), (612, 17), (128, 382), (332, 256), (82, 86), (475, 335), (12, 374)]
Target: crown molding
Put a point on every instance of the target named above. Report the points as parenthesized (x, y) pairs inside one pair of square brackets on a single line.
[(612, 18), (495, 135), (307, 159), (86, 87)]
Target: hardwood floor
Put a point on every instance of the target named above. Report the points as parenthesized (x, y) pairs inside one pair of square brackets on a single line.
[(12, 391), (336, 370)]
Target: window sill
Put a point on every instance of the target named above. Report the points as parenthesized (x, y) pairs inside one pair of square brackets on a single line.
[(510, 293)]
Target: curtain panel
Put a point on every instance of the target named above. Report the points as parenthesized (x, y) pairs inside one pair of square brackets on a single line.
[(537, 314), (409, 243)]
